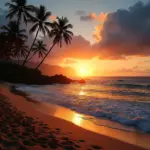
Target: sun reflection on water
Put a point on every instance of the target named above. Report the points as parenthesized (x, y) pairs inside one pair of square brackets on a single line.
[(81, 93), (77, 119)]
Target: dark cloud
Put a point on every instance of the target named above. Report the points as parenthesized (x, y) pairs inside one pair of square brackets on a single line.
[(80, 12), (101, 17), (85, 17), (126, 33)]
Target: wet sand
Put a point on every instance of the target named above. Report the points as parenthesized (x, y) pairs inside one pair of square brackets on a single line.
[(23, 126)]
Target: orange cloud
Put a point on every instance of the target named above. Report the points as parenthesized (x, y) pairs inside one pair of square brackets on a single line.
[(101, 17), (52, 17), (97, 32), (93, 16)]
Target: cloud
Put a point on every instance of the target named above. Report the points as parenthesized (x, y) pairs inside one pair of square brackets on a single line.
[(100, 18), (122, 34), (125, 33), (80, 48), (97, 32), (93, 16), (80, 12), (53, 17)]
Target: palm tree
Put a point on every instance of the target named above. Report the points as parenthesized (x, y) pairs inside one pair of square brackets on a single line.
[(40, 25), (23, 50), (40, 48), (13, 33), (60, 31), (20, 9), (5, 44), (3, 40), (20, 49)]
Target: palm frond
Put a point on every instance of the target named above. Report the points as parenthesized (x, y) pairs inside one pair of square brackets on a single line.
[(20, 9), (41, 12), (11, 14), (40, 48), (47, 30), (68, 26), (60, 31), (33, 29), (69, 32), (22, 30), (23, 36), (49, 24), (30, 8), (5, 28), (42, 30), (10, 5), (47, 15), (32, 19)]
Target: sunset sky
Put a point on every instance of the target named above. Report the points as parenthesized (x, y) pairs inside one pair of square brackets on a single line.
[(111, 37)]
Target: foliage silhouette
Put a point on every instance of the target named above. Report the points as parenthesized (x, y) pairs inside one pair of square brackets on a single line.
[(59, 32), (40, 25), (19, 9)]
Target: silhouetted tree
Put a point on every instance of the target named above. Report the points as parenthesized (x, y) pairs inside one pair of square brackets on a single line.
[(20, 49), (60, 31), (3, 41), (19, 9), (13, 33), (40, 25), (40, 48)]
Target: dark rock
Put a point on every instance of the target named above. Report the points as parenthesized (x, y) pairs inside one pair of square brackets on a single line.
[(82, 81), (18, 74)]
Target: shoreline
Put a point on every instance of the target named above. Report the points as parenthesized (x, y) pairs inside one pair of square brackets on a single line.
[(122, 133), (35, 109)]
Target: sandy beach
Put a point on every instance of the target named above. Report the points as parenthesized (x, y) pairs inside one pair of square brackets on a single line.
[(22, 126)]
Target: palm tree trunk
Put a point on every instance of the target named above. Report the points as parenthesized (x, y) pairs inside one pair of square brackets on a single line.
[(31, 57), (45, 56), (31, 48)]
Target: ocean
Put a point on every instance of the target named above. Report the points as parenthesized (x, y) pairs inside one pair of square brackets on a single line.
[(123, 100)]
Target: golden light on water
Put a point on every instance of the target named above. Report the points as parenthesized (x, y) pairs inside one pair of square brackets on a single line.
[(77, 119), (81, 93)]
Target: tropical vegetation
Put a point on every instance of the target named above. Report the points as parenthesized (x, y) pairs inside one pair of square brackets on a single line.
[(15, 40)]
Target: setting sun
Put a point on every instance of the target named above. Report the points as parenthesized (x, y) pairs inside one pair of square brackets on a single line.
[(84, 71)]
